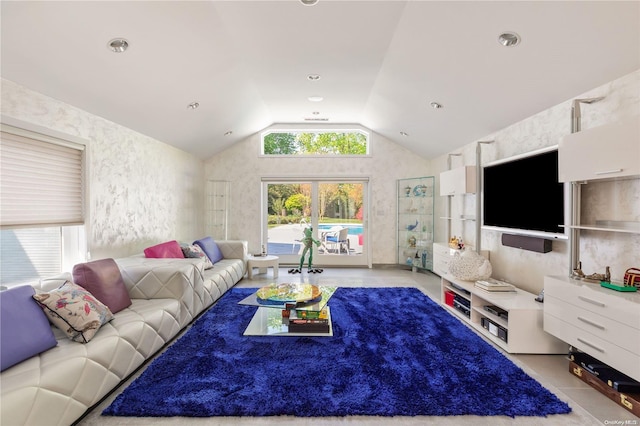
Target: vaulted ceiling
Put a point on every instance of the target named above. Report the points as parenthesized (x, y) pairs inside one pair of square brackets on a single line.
[(381, 63)]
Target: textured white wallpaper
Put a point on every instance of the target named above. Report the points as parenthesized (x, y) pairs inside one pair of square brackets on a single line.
[(142, 191), (242, 165), (618, 200)]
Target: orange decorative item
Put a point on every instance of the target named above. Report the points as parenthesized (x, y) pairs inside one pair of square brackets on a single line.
[(632, 277)]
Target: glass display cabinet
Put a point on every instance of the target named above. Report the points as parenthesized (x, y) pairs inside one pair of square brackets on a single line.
[(415, 222)]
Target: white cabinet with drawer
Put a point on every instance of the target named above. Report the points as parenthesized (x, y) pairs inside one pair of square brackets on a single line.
[(601, 322), (443, 254)]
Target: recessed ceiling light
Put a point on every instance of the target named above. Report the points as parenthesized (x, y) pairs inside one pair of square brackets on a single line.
[(228, 133), (315, 98), (313, 77), (193, 105), (509, 39), (404, 134), (435, 105), (309, 2), (118, 45)]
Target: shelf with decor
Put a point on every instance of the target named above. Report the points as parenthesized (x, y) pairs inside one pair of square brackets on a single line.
[(512, 320), (459, 181), (415, 222)]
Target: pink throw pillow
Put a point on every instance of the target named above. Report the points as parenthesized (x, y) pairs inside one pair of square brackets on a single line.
[(170, 249)]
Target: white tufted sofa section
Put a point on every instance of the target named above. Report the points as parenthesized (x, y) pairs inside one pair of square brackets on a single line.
[(58, 386)]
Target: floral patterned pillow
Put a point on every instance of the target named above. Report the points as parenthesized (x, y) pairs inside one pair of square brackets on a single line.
[(194, 251), (74, 310)]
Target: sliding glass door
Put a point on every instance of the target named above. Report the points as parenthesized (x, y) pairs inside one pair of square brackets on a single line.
[(335, 210)]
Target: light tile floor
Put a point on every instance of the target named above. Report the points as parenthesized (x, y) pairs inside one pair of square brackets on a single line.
[(589, 406)]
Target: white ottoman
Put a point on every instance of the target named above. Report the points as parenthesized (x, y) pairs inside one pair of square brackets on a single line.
[(262, 263)]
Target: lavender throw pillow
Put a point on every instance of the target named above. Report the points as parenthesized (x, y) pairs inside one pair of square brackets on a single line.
[(24, 329), (210, 248)]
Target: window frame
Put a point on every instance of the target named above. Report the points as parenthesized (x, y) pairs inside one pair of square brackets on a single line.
[(74, 242), (288, 129)]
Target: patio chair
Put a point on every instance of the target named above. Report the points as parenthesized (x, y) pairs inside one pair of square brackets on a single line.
[(336, 239)]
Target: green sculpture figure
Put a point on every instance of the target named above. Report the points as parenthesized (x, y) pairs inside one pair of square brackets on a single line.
[(308, 242)]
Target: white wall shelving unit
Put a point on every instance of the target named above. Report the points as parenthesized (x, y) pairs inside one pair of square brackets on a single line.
[(518, 330), (601, 322)]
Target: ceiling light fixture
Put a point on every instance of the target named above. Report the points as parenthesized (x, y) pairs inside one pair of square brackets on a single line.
[(309, 2), (435, 105), (313, 77), (509, 39), (228, 133), (315, 98), (193, 105), (118, 45), (404, 134)]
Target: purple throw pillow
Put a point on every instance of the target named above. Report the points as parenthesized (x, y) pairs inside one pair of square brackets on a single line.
[(24, 329), (210, 248), (102, 278)]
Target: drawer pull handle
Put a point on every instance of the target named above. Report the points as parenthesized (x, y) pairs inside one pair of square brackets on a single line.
[(601, 327), (591, 344), (608, 172), (624, 401), (593, 302)]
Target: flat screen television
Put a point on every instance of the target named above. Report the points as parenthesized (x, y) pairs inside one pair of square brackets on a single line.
[(522, 195)]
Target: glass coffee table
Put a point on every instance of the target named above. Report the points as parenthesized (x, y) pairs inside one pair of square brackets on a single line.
[(267, 321)]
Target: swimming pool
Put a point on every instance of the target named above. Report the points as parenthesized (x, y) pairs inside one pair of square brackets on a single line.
[(354, 228)]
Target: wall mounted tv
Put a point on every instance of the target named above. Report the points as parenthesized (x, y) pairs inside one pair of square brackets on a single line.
[(522, 195)]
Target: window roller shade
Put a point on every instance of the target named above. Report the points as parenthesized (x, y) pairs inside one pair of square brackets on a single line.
[(41, 182)]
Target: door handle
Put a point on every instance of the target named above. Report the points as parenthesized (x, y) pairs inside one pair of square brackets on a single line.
[(608, 172)]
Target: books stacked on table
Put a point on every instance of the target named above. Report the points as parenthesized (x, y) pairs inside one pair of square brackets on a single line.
[(303, 321), (493, 285)]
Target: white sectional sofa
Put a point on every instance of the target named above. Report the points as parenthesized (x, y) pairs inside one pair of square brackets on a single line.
[(59, 385)]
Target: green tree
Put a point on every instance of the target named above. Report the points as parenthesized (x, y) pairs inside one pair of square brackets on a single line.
[(280, 143), (333, 143), (283, 191), (278, 208), (298, 203)]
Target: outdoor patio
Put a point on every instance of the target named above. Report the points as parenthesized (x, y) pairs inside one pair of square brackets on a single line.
[(284, 239)]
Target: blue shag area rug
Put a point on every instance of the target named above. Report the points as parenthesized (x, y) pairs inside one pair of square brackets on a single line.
[(394, 352)]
